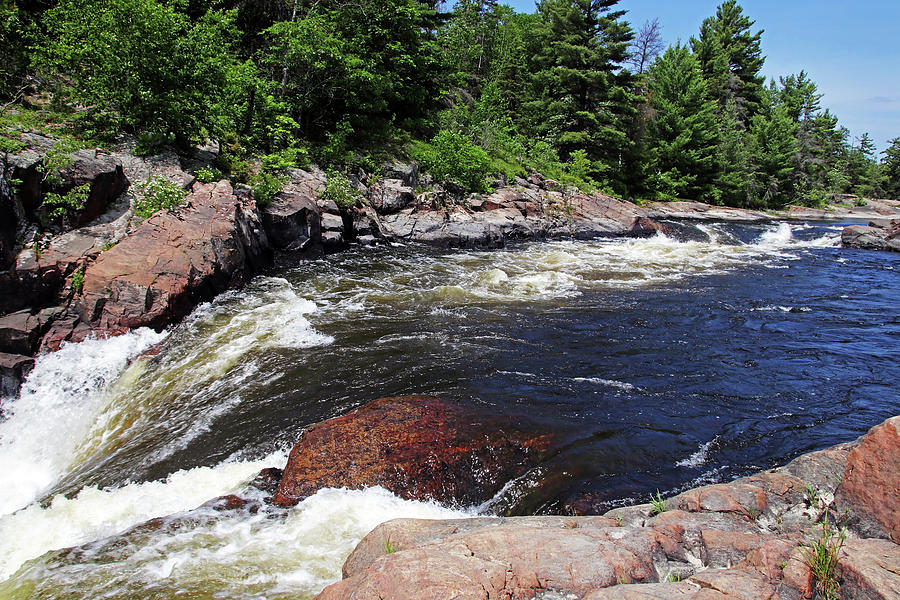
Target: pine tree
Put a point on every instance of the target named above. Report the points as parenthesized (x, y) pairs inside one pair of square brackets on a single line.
[(819, 142), (733, 159), (731, 58), (773, 149), (580, 98), (682, 133), (862, 169), (890, 167)]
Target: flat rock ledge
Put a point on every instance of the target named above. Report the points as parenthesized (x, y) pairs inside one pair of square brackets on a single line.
[(747, 540), (878, 235)]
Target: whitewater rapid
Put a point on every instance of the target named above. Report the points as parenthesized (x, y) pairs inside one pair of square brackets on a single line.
[(96, 420)]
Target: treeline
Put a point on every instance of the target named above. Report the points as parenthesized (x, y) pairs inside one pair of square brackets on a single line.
[(474, 93)]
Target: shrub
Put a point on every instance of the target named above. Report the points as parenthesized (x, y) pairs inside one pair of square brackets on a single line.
[(208, 175), (451, 157), (265, 187), (159, 194), (339, 190), (63, 205), (289, 158), (78, 281)]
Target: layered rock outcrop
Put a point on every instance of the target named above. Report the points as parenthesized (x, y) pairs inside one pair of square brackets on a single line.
[(418, 447), (175, 260)]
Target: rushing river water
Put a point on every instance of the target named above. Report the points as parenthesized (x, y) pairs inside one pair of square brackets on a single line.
[(661, 363)]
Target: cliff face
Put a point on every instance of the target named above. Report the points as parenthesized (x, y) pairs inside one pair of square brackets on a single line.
[(757, 537)]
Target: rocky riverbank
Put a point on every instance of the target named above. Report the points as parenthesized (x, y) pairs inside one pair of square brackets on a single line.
[(761, 536), (754, 538), (877, 235), (101, 270)]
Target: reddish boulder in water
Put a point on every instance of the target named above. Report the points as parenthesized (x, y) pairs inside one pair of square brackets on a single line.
[(418, 447)]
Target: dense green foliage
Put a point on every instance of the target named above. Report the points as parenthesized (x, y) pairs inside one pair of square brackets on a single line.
[(476, 93), (683, 132), (452, 158), (340, 190)]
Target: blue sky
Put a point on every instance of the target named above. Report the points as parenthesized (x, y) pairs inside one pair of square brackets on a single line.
[(850, 49)]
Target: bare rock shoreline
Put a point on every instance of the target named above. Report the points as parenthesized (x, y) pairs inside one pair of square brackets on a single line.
[(753, 538)]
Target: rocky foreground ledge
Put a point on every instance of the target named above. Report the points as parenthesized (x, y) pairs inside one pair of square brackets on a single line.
[(753, 538), (750, 539)]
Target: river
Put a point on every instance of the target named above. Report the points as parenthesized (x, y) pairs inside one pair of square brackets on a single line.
[(661, 363)]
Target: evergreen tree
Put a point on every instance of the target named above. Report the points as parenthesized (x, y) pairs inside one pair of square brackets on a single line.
[(733, 159), (891, 169), (819, 142), (581, 98), (683, 131), (862, 169), (731, 58), (773, 149)]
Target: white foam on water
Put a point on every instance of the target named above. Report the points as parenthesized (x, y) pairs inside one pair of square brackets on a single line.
[(700, 457), (548, 271), (96, 513), (772, 308), (59, 403), (777, 237), (274, 553), (268, 315), (621, 385), (208, 361)]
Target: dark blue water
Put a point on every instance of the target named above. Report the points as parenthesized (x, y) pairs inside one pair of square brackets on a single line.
[(658, 365)]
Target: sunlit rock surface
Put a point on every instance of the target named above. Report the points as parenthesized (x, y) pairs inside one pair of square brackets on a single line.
[(418, 447), (748, 539)]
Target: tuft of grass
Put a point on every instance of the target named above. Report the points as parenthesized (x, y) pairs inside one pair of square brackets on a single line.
[(659, 504), (389, 546), (811, 496), (821, 556)]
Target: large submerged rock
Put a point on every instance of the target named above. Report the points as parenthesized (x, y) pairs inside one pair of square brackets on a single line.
[(418, 447)]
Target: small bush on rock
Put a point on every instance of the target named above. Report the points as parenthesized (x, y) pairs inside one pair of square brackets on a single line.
[(452, 157), (159, 194), (265, 186), (208, 175), (339, 190)]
